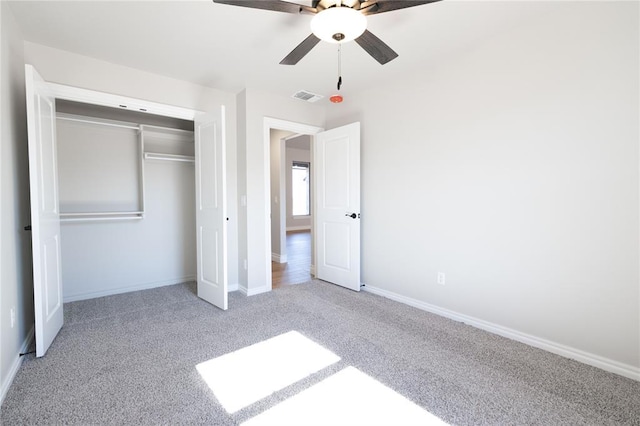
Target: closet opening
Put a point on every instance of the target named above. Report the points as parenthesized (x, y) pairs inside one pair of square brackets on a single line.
[(126, 184)]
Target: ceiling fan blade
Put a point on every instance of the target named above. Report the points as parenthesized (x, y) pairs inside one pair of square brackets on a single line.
[(275, 5), (376, 47), (373, 7), (300, 51)]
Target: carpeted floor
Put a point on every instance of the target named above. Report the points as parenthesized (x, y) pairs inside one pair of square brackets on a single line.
[(308, 354)]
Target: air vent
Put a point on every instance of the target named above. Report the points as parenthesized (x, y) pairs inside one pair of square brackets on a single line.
[(307, 96)]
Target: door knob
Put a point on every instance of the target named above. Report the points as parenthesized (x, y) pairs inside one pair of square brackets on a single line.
[(351, 215)]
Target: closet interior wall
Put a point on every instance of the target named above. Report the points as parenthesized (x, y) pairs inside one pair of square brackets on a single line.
[(127, 200)]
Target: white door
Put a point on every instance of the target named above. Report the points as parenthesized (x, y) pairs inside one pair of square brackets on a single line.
[(45, 214), (337, 177), (211, 212)]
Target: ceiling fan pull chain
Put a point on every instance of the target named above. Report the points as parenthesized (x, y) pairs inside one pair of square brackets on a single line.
[(339, 65)]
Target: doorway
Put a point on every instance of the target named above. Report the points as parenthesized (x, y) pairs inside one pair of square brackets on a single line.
[(291, 208), (282, 244)]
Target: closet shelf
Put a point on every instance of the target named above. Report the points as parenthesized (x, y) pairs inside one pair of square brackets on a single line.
[(169, 157)]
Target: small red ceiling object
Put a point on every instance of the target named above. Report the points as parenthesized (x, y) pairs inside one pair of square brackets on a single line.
[(336, 99)]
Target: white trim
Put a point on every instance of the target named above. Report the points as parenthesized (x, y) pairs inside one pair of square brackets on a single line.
[(299, 228), (259, 290), (61, 91), (253, 291), (606, 364), (312, 270), (291, 126), (136, 287), (15, 366), (233, 287), (278, 258)]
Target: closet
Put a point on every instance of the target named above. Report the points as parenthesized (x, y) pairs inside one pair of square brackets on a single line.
[(126, 185), (121, 203)]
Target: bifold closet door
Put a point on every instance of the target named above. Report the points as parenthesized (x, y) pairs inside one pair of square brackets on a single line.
[(211, 212), (45, 213)]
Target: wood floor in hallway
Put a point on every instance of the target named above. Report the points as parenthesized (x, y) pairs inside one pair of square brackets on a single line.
[(297, 268)]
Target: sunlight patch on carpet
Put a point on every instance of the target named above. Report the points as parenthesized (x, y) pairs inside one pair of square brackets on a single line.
[(243, 377), (349, 397)]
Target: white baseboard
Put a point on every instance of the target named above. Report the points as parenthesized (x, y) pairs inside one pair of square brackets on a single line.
[(259, 290), (233, 287), (15, 366), (278, 258), (606, 364), (253, 291), (127, 289), (299, 228)]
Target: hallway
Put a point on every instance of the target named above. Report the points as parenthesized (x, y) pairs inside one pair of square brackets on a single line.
[(297, 268)]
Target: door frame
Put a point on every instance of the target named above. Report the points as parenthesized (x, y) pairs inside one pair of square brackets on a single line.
[(297, 128), (87, 96)]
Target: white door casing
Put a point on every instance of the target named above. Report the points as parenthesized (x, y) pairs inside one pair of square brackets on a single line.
[(211, 212), (337, 183), (45, 213)]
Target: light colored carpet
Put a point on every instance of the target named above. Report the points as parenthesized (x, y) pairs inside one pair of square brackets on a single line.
[(135, 359)]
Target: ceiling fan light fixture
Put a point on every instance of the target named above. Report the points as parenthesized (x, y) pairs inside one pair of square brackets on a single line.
[(338, 24)]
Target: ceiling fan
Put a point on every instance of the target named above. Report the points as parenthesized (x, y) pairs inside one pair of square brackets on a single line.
[(335, 21)]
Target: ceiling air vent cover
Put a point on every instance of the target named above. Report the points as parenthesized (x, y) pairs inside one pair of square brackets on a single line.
[(307, 96)]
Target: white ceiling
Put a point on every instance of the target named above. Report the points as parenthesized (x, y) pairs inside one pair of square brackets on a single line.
[(231, 48)]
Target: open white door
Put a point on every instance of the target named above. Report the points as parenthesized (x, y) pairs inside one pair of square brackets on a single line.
[(337, 165), (45, 214), (211, 211)]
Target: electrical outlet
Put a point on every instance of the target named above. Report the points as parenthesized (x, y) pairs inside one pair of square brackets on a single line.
[(13, 317), (245, 264), (441, 278)]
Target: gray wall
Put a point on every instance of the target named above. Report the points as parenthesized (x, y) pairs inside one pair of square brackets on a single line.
[(297, 149), (16, 288), (514, 168), (278, 194)]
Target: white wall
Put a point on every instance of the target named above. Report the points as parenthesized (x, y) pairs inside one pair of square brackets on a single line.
[(303, 155), (76, 70), (277, 195), (514, 168), (16, 289), (241, 127), (253, 106)]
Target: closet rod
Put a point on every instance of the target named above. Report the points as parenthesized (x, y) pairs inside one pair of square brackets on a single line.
[(104, 218), (101, 123), (101, 214)]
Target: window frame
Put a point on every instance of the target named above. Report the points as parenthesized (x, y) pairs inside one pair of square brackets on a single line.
[(301, 165)]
